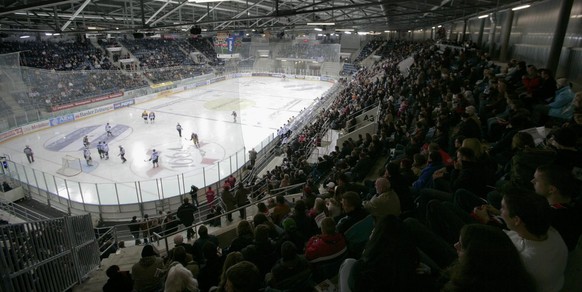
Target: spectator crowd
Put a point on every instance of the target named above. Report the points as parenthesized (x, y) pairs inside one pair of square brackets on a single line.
[(479, 188)]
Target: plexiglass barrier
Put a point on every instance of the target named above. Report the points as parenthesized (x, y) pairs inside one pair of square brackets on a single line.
[(136, 198)]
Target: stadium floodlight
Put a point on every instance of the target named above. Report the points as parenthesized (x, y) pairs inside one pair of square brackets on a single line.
[(483, 16), (520, 7), (321, 23), (207, 1)]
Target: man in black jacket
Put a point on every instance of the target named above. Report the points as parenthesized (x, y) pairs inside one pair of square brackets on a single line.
[(186, 215)]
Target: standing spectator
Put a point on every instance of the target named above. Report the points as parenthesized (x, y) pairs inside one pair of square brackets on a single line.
[(203, 238), (146, 272), (179, 129), (145, 227), (229, 202), (134, 229), (170, 223), (194, 195), (186, 215), (253, 157), (231, 180), (29, 154), (210, 194), (242, 200)]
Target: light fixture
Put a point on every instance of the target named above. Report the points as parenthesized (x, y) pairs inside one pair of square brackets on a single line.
[(410, 31), (24, 36), (321, 23), (91, 27), (520, 7), (347, 32), (54, 34), (48, 34), (433, 27), (344, 29), (362, 32), (387, 31), (206, 1), (439, 26), (483, 16), (318, 29)]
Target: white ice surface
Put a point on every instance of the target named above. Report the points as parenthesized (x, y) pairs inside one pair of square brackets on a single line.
[(263, 104)]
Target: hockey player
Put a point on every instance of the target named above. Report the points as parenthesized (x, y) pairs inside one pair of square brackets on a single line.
[(194, 139), (122, 154), (144, 116), (233, 116), (86, 141), (154, 158), (105, 149), (87, 155), (100, 149), (108, 130), (29, 154), (179, 129), (152, 116)]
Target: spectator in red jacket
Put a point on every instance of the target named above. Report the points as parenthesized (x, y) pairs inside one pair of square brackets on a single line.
[(328, 243)]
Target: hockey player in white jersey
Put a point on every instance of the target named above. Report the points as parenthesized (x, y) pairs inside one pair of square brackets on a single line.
[(105, 149), (87, 155), (154, 158)]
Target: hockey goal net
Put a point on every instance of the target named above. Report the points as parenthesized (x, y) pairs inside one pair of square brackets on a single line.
[(70, 166)]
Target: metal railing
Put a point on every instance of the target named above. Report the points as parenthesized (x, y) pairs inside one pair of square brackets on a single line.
[(49, 255), (20, 212)]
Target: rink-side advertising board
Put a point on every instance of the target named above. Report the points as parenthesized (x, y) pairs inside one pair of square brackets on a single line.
[(62, 119), (10, 134)]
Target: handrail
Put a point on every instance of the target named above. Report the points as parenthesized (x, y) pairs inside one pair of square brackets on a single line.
[(21, 212)]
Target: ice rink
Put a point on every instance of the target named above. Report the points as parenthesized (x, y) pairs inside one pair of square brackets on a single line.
[(263, 104)]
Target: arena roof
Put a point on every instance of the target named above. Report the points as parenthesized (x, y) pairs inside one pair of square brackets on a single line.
[(217, 15)]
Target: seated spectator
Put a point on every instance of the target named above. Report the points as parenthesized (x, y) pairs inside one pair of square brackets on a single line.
[(244, 236), (179, 241), (319, 211), (181, 273), (353, 211), (281, 210), (558, 107), (488, 261), (146, 274), (305, 224), (180, 256), (243, 277), (556, 184), (119, 281), (542, 250), (326, 244), (385, 202), (232, 259), (265, 249), (291, 271), (389, 262), (425, 179)]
